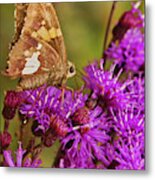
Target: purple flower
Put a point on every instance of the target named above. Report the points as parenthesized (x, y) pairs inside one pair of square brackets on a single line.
[(85, 145), (20, 160), (129, 139), (129, 53), (48, 105), (106, 87)]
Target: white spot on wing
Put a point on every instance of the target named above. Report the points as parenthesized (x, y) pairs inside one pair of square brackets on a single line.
[(32, 64), (39, 46), (27, 53)]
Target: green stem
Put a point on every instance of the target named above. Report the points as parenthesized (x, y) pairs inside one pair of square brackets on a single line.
[(108, 27)]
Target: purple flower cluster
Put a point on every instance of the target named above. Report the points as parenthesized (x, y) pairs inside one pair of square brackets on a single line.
[(102, 124), (83, 132), (45, 103)]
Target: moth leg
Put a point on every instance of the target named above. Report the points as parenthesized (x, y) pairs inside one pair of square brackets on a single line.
[(62, 94), (64, 88)]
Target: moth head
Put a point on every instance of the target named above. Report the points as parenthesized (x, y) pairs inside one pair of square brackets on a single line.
[(71, 71)]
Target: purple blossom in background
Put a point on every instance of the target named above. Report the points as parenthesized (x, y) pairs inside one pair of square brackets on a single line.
[(129, 52), (20, 160)]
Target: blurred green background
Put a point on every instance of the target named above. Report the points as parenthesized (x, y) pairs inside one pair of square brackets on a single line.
[(83, 25)]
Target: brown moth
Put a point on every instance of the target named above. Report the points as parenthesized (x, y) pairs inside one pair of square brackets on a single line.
[(38, 53)]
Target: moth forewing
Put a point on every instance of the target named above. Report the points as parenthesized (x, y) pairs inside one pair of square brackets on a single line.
[(39, 54)]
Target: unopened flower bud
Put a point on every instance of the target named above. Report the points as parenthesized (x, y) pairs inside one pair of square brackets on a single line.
[(11, 102), (5, 139), (129, 19), (8, 112), (12, 99)]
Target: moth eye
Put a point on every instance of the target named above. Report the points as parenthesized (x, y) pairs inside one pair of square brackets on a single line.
[(71, 69)]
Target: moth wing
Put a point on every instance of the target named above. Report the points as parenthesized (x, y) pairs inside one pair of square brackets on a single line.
[(36, 53), (42, 21), (27, 52), (38, 15)]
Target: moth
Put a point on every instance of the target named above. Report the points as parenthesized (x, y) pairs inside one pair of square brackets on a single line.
[(38, 53)]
